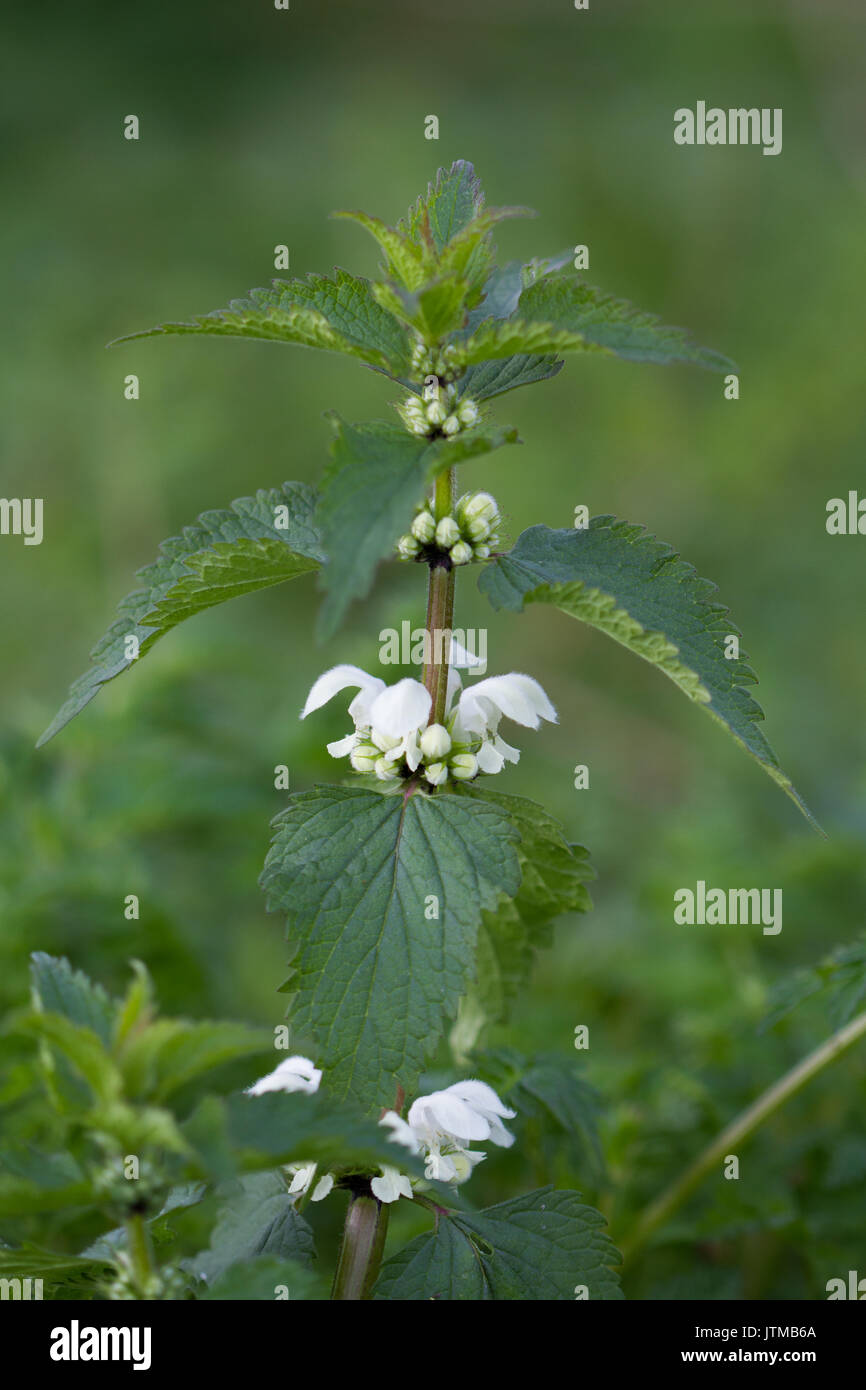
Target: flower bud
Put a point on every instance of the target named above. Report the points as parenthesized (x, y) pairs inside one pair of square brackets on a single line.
[(451, 425), (461, 553), (477, 529), (436, 412), (464, 766), (478, 506), (385, 771), (447, 532), (364, 757), (408, 547), (462, 1168), (468, 412), (435, 741), (482, 552), (436, 774), (424, 527)]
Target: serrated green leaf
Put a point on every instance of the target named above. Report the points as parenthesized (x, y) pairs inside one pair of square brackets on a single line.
[(617, 578), (839, 980), (541, 1246), (223, 554), (258, 1217), (494, 378), (375, 977), (59, 989), (376, 475), (79, 1046), (408, 261), (172, 1052), (554, 875), (452, 201), (567, 305), (504, 338), (339, 315)]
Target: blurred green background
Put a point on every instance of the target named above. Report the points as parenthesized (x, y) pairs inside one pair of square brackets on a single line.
[(255, 124)]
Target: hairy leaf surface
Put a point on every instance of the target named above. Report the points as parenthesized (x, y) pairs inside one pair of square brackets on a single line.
[(376, 977), (537, 1247), (222, 555)]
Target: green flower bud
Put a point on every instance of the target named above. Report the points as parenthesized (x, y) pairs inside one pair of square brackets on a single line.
[(436, 412), (436, 774), (447, 533), (476, 529), (364, 757), (461, 553), (478, 506), (451, 425), (408, 547), (464, 766), (468, 412), (482, 552), (424, 526), (435, 741), (386, 772)]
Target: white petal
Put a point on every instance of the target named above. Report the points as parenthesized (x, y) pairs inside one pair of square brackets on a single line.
[(518, 697), (454, 686), (302, 1176), (459, 656), (401, 708), (391, 1185), (412, 750), (450, 1115), (400, 1131), (340, 678), (343, 746), (489, 759), (322, 1188), (511, 755), (293, 1074), (481, 1097), (498, 1133)]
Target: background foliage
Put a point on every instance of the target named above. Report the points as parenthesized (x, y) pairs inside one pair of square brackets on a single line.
[(254, 125)]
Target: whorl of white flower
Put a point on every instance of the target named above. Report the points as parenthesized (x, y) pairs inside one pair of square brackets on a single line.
[(441, 1127), (292, 1074), (392, 738)]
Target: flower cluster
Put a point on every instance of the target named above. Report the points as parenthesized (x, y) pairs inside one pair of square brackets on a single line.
[(440, 1127), (393, 739), (470, 534), (444, 363), (438, 412)]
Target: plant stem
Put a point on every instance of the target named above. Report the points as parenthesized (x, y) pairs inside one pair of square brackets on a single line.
[(138, 1246), (440, 607), (740, 1129), (361, 1251)]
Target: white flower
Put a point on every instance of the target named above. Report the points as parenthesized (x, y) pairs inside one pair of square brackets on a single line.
[(391, 1185), (391, 737), (435, 741), (463, 1112), (480, 708), (444, 1124), (293, 1074), (389, 716)]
